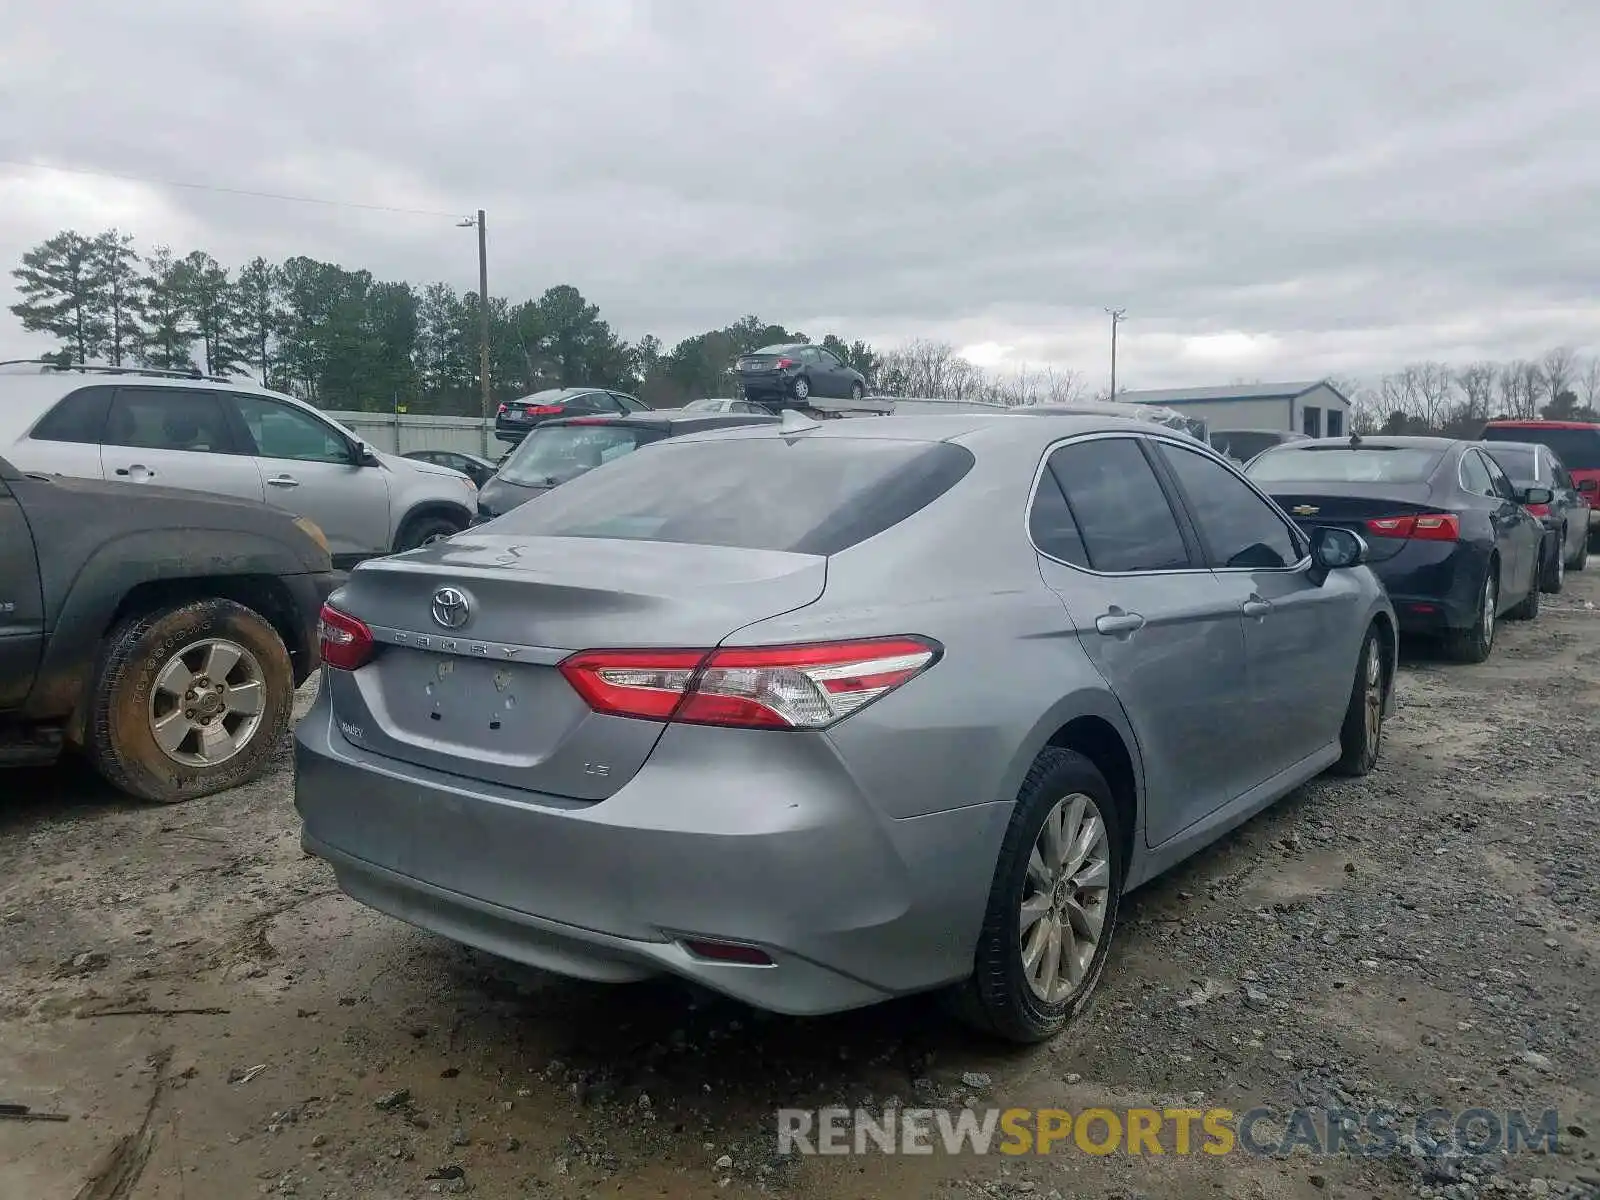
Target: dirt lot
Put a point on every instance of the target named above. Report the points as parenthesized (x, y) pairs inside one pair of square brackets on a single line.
[(1426, 937)]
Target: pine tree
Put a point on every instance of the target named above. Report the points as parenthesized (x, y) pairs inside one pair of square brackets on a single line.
[(116, 274), (59, 284), (167, 322)]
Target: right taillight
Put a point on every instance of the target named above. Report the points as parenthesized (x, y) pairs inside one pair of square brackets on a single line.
[(1427, 527), (759, 687), (546, 410), (346, 643)]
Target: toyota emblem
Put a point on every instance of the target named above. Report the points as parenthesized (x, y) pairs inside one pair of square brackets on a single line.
[(450, 607)]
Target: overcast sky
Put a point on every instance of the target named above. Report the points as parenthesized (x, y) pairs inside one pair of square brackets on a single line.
[(1272, 190)]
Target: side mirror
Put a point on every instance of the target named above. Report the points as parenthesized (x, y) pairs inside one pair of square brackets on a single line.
[(1334, 549), (365, 455), (1536, 495)]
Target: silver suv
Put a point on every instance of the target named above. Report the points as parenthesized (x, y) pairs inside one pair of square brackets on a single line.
[(228, 439)]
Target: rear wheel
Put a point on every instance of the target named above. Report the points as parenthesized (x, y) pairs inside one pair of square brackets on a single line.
[(189, 701), (1553, 576), (1474, 643), (1053, 903), (1528, 607), (1362, 732), (1580, 560), (801, 387)]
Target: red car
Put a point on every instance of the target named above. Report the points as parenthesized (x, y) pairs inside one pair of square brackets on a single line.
[(1577, 445)]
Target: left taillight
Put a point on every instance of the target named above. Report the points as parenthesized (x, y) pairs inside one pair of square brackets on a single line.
[(760, 687), (346, 643)]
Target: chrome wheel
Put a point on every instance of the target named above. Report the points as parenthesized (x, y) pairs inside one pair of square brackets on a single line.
[(1488, 615), (1372, 698), (1066, 894), (802, 388), (207, 702)]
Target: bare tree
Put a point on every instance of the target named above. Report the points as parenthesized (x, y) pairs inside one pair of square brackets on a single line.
[(1476, 381), (1589, 383), (1559, 367), (1520, 384)]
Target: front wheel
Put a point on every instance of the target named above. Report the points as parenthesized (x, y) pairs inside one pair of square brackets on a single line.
[(189, 701), (425, 531), (857, 392), (1362, 732), (1053, 903)]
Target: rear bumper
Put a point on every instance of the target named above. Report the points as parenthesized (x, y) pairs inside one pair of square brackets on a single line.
[(1433, 585), (755, 840)]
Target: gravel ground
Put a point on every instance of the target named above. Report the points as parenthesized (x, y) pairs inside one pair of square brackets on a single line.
[(1426, 937)]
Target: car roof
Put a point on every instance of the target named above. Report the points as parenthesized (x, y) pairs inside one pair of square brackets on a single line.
[(1378, 441), (1531, 447), (970, 428), (779, 346), (24, 398), (1530, 423), (658, 418)]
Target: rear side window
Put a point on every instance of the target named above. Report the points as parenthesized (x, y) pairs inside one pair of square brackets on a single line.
[(154, 418), (1124, 517), (1579, 449), (805, 495), (1475, 476), (1051, 524), (1242, 447), (79, 417)]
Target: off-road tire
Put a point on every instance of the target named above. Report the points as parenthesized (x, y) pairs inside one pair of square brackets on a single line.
[(997, 999), (1359, 736), (118, 740)]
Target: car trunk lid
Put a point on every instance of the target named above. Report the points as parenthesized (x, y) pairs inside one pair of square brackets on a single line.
[(1355, 506), (471, 631)]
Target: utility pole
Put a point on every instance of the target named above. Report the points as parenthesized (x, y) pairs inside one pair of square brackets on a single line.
[(1118, 316), (483, 319)]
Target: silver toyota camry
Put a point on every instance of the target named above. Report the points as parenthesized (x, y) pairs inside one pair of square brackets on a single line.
[(824, 713)]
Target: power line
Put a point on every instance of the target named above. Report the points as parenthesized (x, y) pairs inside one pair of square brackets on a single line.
[(228, 191)]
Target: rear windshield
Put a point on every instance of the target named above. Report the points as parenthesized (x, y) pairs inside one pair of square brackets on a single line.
[(1340, 464), (1242, 447), (557, 453), (1578, 449), (808, 496), (1521, 465)]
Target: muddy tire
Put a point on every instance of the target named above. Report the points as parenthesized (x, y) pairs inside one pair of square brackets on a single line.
[(224, 743), (1013, 993), (422, 531), (1361, 735)]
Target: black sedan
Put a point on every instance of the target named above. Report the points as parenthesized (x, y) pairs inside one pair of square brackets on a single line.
[(1566, 517), (791, 375), (474, 468), (515, 418), (1447, 530), (561, 450)]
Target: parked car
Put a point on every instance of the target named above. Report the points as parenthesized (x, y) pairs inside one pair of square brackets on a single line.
[(742, 674), (1242, 445), (479, 470), (161, 632), (792, 374), (1566, 517), (723, 406), (1449, 534), (1578, 445), (1167, 418), (559, 451), (515, 418), (229, 439)]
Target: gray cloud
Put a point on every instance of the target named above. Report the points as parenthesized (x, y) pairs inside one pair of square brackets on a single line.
[(1270, 189)]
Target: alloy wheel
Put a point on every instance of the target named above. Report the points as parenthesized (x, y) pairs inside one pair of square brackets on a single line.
[(207, 702), (1372, 699), (1066, 895)]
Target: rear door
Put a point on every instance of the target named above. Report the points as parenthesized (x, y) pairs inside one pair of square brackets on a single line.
[(308, 469), (176, 437), (1161, 628), (1525, 530), (21, 603), (1302, 639)]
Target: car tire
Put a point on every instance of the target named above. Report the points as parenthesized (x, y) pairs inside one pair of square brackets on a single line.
[(1474, 644), (1003, 996), (1553, 571), (1361, 735), (857, 392), (1528, 607), (142, 662), (1580, 560), (422, 531), (801, 388)]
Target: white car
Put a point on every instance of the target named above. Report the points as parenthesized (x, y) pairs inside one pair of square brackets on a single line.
[(228, 439)]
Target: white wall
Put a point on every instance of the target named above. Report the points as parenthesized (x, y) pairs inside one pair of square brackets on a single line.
[(1239, 414), (401, 434), (1324, 398)]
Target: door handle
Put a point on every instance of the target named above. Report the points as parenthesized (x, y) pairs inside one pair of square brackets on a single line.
[(144, 471), (1256, 607), (1118, 623), (284, 481)]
